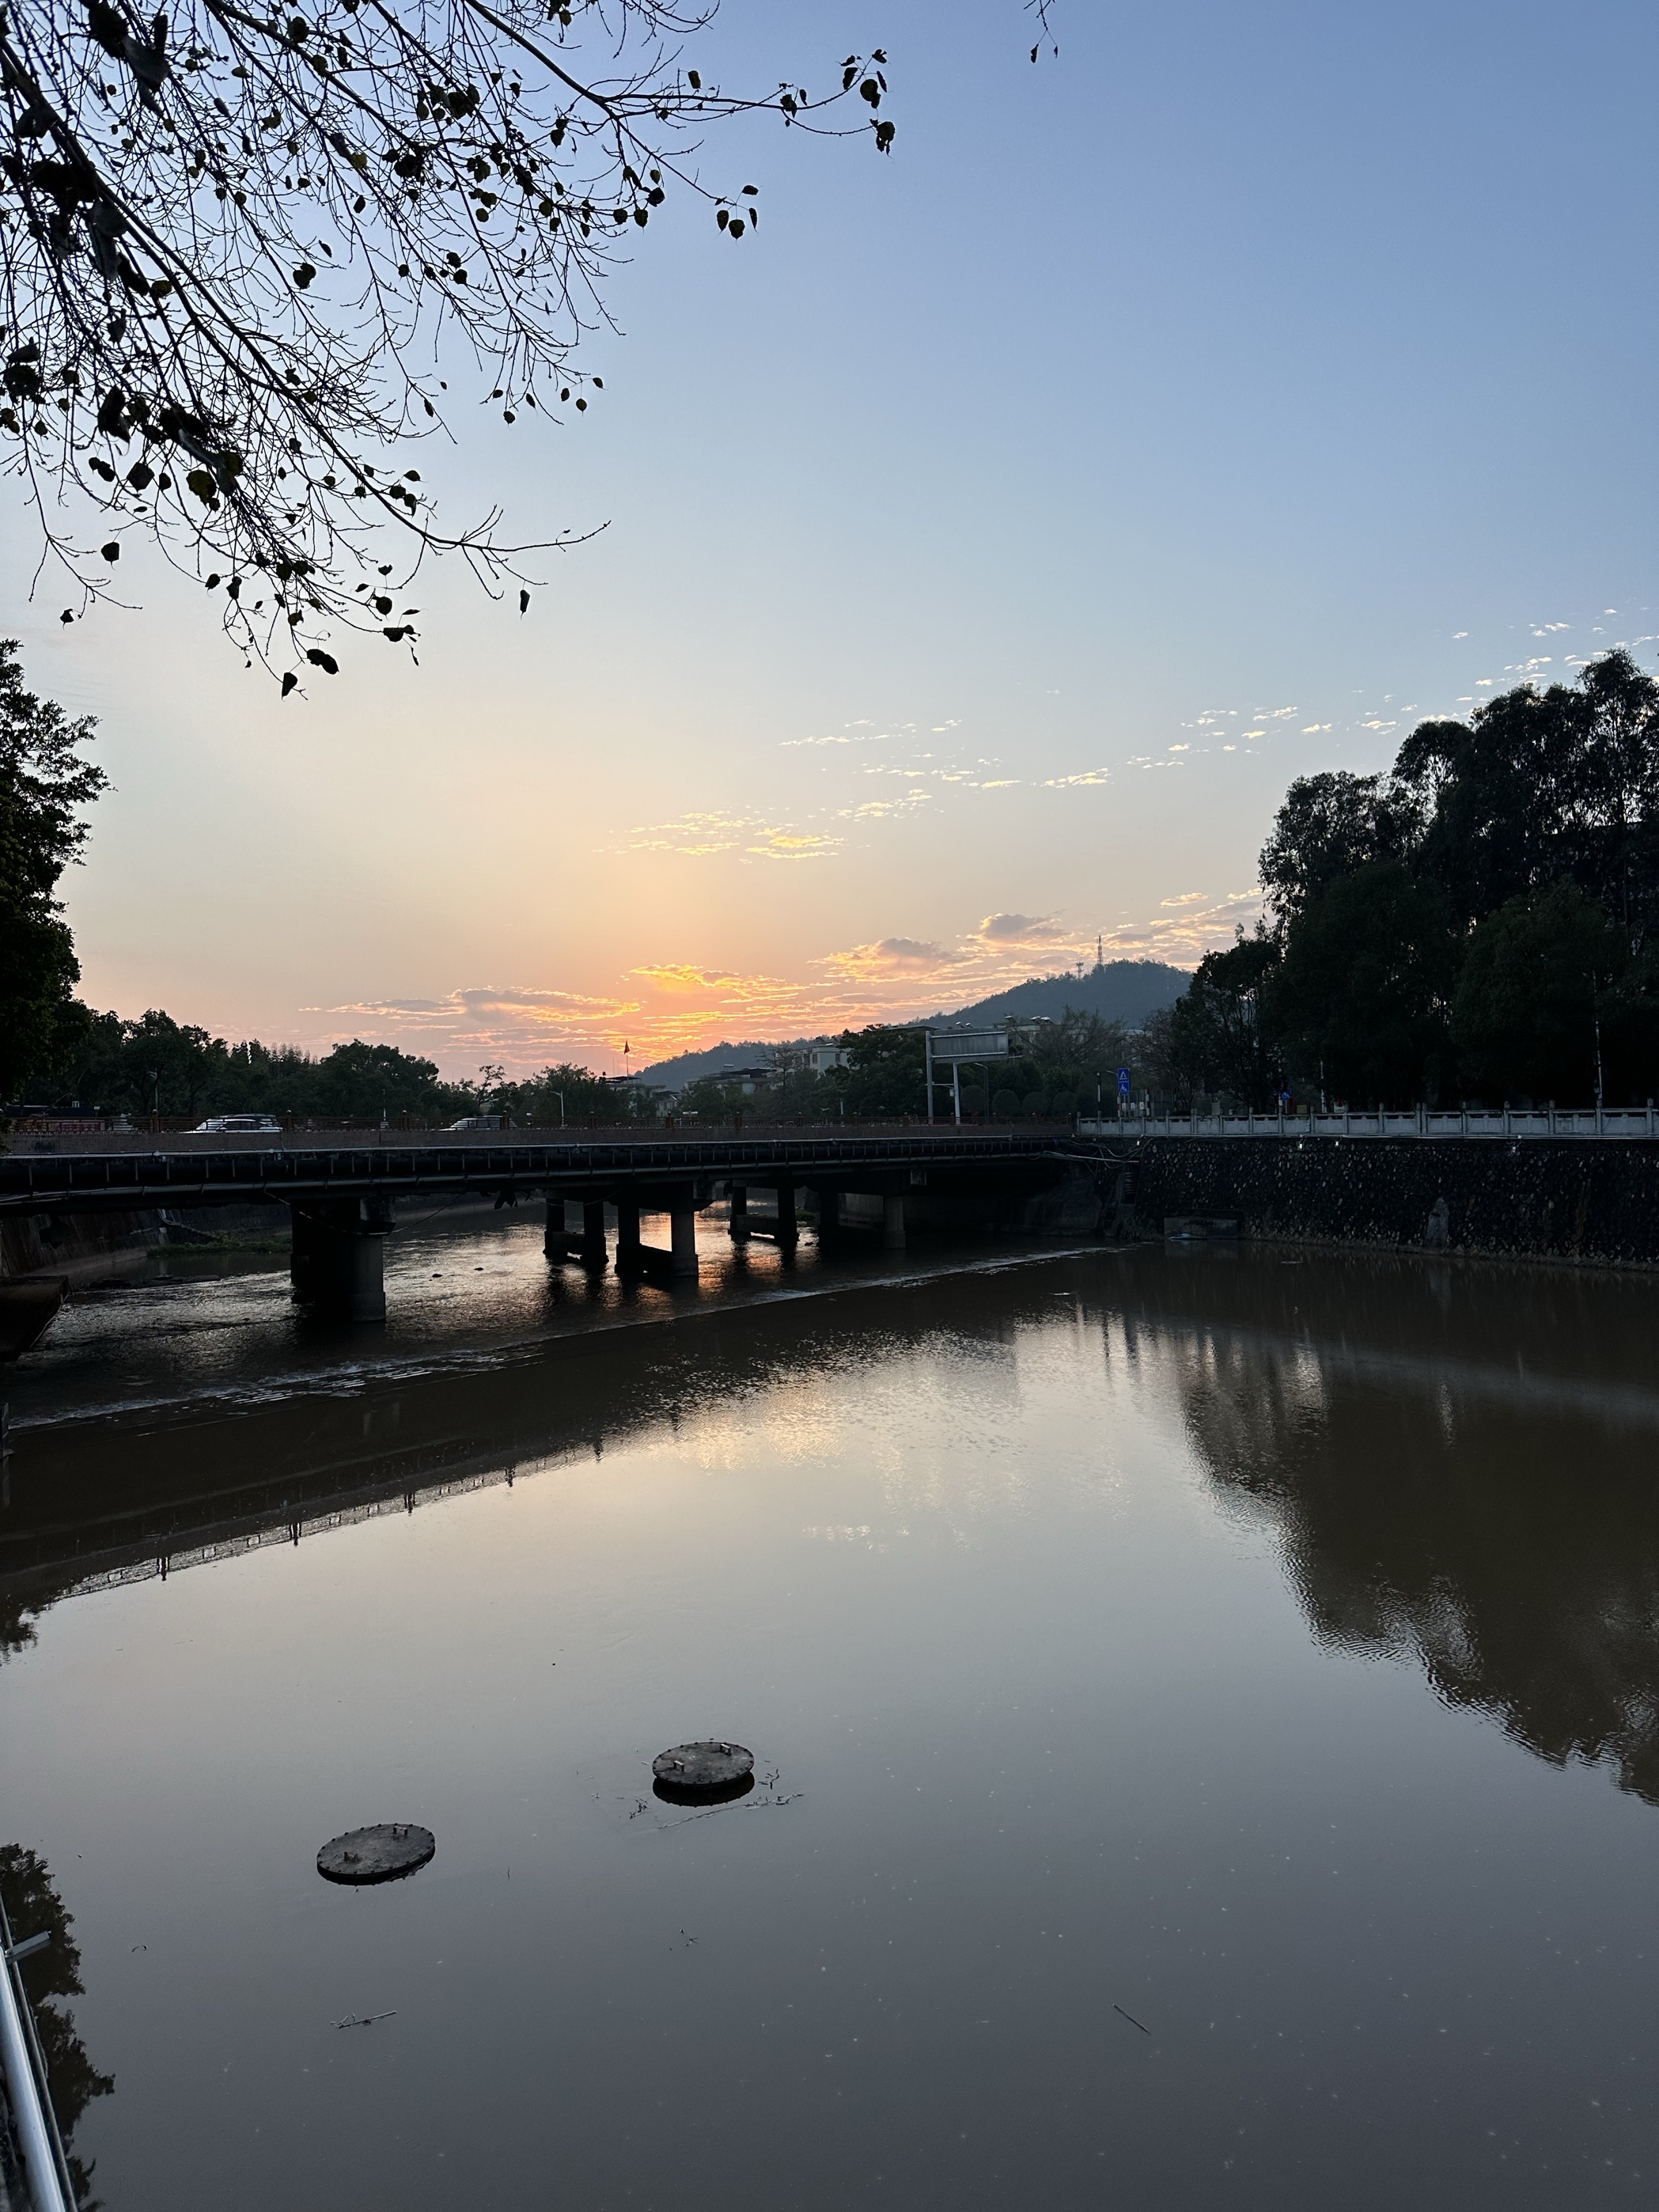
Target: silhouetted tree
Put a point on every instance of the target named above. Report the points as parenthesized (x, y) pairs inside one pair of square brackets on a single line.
[(1524, 1019), (885, 1076), (1541, 785), (1217, 1040), (587, 1097), (1329, 825), (1520, 849), (1365, 989), (45, 783)]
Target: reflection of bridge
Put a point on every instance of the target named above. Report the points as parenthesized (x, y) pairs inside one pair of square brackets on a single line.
[(341, 1199), (147, 1488)]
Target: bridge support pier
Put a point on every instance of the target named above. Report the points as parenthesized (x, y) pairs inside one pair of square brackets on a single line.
[(789, 1228), (629, 1258), (555, 1243), (592, 1245), (339, 1263), (892, 1222), (682, 1240), (827, 1201), (739, 1230)]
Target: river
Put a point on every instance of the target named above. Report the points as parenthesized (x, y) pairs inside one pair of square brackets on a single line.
[(1205, 1702)]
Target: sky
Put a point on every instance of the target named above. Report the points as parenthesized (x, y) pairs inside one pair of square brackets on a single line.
[(982, 545)]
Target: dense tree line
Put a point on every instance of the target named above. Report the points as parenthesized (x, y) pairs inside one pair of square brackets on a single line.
[(1482, 925), (177, 1069), (159, 1065)]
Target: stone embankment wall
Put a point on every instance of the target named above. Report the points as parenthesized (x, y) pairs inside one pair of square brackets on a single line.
[(1594, 1201), (82, 1246)]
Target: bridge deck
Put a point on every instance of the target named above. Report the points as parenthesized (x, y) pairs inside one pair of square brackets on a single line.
[(91, 1182)]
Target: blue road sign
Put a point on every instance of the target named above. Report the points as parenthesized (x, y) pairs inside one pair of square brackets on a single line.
[(1123, 1082)]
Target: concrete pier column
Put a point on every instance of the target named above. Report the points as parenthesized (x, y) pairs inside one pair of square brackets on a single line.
[(629, 1261), (592, 1246), (338, 1262), (739, 1230), (892, 1222), (555, 1243), (682, 1240), (789, 1229), (828, 1201)]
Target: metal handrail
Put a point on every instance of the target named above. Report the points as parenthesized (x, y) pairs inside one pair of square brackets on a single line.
[(1584, 1123), (30, 1184), (46, 2166)]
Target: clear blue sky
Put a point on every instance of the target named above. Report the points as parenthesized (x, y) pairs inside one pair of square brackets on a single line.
[(1285, 369)]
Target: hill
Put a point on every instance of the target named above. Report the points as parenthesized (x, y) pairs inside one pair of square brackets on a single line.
[(1124, 991), (691, 1067)]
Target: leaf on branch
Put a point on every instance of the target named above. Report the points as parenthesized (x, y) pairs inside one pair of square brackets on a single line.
[(289, 679), (109, 28), (325, 661)]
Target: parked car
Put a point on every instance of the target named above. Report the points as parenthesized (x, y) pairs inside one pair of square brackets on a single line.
[(240, 1125), (480, 1121)]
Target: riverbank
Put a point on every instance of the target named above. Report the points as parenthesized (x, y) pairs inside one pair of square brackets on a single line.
[(1581, 1204)]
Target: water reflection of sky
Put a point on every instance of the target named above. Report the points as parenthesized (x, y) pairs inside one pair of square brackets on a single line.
[(1052, 1600)]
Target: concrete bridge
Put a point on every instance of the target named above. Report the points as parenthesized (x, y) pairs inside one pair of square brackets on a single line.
[(341, 1199)]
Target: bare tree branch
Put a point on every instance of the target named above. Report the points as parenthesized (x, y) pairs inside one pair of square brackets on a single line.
[(234, 246)]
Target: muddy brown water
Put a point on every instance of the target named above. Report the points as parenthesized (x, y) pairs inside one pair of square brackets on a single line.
[(1205, 1710)]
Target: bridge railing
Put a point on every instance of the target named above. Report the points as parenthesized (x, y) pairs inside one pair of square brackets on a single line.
[(372, 1136), (1620, 1121)]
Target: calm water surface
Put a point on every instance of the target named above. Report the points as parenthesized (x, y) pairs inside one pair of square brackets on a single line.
[(1207, 1707)]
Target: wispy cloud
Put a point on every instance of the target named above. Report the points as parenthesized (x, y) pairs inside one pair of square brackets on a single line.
[(890, 957), (847, 737), (1024, 929), (749, 836), (676, 1005), (1187, 926)]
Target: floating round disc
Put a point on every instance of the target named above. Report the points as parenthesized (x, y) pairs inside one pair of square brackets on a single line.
[(703, 1773), (384, 1853)]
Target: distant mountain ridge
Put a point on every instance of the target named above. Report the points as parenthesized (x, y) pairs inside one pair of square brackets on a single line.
[(1125, 991)]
